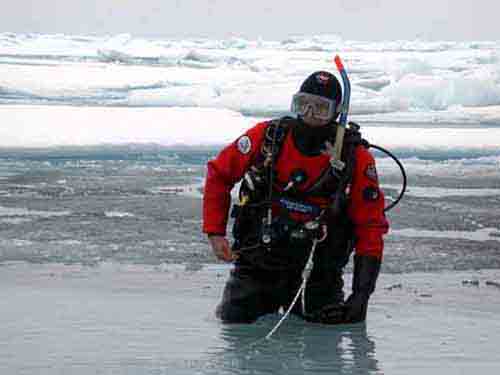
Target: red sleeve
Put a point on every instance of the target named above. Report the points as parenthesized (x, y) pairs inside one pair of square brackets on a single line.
[(224, 172), (366, 208)]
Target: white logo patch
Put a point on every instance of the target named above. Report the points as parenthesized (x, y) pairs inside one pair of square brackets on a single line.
[(244, 144)]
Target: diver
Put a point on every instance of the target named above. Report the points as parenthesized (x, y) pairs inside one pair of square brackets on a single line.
[(295, 196)]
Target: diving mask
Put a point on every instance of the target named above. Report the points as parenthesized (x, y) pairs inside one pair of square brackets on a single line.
[(317, 106)]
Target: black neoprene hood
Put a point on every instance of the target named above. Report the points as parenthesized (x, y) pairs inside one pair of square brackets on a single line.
[(324, 84)]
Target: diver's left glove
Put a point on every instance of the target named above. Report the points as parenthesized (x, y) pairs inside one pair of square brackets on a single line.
[(366, 270), (328, 314)]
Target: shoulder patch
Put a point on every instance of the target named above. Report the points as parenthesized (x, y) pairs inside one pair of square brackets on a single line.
[(371, 172), (244, 144)]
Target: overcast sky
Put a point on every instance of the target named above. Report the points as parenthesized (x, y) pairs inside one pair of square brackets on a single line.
[(351, 19)]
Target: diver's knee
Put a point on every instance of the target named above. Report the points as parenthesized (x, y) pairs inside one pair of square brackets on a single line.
[(228, 314)]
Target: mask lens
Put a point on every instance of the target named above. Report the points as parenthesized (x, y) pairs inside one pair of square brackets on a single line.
[(322, 108), (302, 104)]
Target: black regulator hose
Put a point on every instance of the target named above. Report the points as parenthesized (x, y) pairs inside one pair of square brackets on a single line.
[(403, 173)]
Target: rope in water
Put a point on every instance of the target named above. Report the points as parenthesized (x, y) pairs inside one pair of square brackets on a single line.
[(305, 276)]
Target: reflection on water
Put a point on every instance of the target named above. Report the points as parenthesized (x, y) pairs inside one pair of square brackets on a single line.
[(297, 348)]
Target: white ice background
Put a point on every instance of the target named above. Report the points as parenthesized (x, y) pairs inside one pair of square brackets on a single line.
[(79, 90), (387, 76)]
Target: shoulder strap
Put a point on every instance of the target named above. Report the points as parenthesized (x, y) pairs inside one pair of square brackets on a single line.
[(274, 138)]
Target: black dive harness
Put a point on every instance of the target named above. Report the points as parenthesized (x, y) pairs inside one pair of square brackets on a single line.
[(259, 192), (254, 224)]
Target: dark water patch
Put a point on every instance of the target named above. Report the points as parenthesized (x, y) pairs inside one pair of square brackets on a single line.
[(437, 255), (447, 213), (181, 155), (464, 179), (196, 154), (438, 154), (126, 204)]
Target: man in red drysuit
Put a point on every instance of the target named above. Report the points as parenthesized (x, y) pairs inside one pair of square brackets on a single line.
[(290, 195)]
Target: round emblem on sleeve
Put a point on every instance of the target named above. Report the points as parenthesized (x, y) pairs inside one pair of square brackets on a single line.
[(244, 144), (370, 193)]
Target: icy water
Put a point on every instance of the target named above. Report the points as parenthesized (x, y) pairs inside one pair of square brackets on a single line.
[(88, 206), (143, 204), (126, 319), (103, 270)]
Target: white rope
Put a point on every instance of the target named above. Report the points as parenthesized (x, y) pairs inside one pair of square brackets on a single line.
[(308, 268), (305, 276)]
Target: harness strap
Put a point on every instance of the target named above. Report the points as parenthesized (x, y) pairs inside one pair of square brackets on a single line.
[(274, 138)]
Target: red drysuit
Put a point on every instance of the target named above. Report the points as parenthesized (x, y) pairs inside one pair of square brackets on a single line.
[(365, 199)]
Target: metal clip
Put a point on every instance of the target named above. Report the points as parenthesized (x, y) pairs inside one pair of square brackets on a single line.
[(336, 164)]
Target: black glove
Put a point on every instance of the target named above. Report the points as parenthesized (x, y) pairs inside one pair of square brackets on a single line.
[(366, 269), (328, 314)]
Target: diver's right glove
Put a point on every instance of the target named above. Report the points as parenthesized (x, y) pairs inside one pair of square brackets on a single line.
[(366, 269)]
